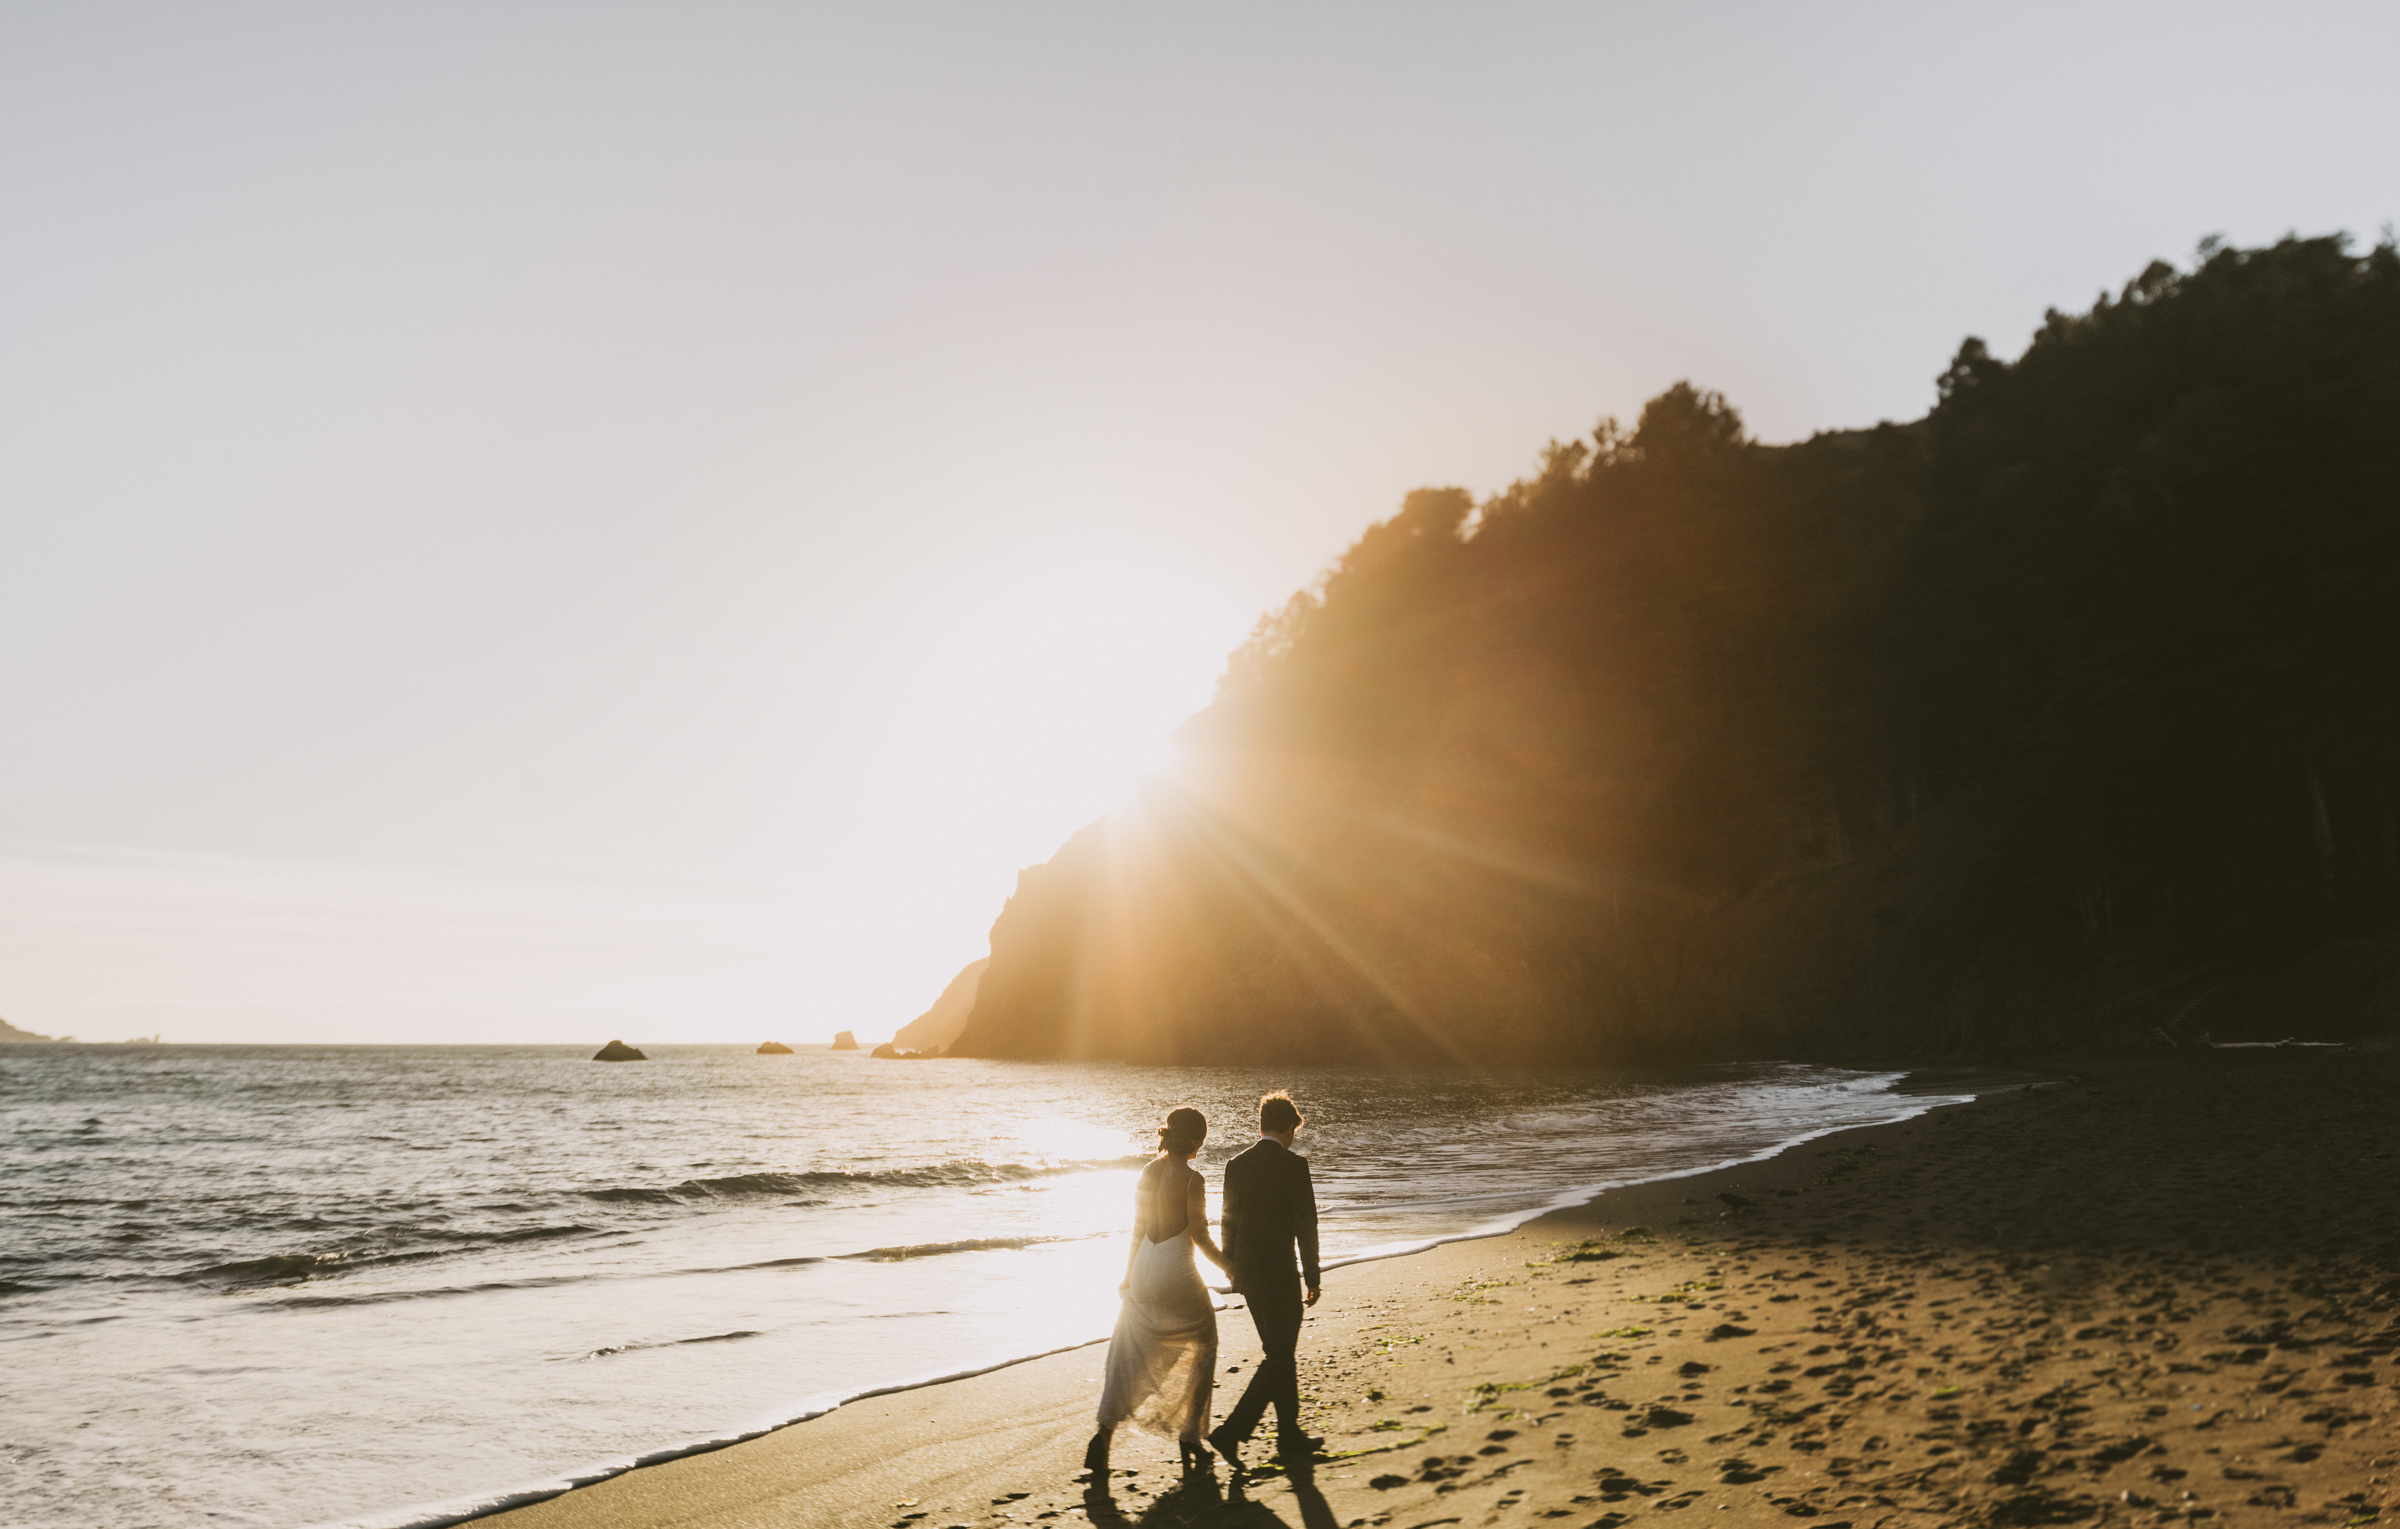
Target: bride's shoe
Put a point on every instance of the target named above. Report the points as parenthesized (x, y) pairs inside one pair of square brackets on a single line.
[(1196, 1458), (1095, 1456)]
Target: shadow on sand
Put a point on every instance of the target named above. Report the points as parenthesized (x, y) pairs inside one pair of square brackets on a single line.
[(1200, 1502)]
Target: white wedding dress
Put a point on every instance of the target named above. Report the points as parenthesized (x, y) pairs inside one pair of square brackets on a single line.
[(1162, 1361)]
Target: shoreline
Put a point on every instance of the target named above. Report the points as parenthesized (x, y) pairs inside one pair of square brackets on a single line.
[(441, 1385), (1941, 1086), (2163, 1291)]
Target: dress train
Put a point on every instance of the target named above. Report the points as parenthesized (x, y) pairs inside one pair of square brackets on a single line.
[(1162, 1359)]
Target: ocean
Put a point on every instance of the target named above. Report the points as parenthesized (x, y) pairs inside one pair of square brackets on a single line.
[(385, 1285)]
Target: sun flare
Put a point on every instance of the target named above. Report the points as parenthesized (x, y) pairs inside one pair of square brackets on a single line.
[(1049, 703)]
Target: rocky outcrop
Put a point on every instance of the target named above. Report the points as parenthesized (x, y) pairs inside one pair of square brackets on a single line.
[(937, 1027), (10, 1034), (773, 1048), (892, 1053), (618, 1051), (843, 1040)]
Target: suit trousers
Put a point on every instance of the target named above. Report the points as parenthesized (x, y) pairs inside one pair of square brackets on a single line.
[(1275, 1309)]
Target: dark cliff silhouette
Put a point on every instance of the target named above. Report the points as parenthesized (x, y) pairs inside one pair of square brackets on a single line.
[(2067, 714)]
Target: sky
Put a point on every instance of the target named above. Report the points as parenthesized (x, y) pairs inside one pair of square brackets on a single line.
[(544, 522)]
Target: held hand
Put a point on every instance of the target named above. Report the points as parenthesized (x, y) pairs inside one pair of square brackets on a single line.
[(1310, 1299)]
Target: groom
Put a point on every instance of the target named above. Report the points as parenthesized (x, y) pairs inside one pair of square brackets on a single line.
[(1271, 1209)]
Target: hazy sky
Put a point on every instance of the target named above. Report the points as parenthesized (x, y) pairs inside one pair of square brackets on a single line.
[(550, 521)]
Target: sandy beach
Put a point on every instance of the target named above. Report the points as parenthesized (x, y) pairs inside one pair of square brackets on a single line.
[(2156, 1289)]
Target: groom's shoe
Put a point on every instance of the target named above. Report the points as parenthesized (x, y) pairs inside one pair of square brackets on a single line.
[(1298, 1446), (1221, 1440)]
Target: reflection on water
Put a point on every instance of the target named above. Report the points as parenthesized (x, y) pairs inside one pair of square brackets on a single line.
[(294, 1284)]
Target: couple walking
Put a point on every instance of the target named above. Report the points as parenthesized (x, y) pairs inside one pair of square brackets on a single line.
[(1162, 1360)]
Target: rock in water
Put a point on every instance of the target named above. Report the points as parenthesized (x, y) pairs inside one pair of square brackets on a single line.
[(618, 1051), (843, 1040), (773, 1048), (892, 1053)]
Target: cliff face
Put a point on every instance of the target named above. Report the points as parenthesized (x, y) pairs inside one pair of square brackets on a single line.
[(940, 1025), (2064, 714)]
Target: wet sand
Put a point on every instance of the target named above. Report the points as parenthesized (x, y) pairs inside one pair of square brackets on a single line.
[(2160, 1290)]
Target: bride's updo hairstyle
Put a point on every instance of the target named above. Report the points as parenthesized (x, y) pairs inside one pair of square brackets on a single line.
[(1184, 1131)]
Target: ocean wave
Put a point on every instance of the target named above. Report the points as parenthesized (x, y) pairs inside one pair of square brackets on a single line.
[(627, 1348), (290, 1268), (331, 1297), (960, 1173), (531, 1234), (273, 1269), (967, 1245)]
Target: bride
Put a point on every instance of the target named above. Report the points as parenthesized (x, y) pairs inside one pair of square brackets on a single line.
[(1162, 1360)]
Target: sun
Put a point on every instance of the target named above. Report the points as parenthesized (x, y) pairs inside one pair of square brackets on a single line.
[(1050, 701)]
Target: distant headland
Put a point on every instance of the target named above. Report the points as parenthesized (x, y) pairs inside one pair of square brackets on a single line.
[(11, 1035)]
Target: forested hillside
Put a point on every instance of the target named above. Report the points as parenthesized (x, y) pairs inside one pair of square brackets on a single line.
[(2069, 713)]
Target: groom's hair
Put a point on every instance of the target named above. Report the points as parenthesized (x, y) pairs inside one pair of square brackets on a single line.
[(1276, 1112)]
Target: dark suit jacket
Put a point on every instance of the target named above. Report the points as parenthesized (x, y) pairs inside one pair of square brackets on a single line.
[(1270, 1210)]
